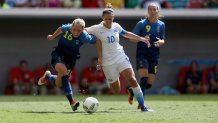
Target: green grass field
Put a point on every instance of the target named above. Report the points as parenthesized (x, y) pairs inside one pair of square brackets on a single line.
[(113, 109)]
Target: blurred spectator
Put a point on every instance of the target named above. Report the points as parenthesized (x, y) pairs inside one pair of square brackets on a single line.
[(178, 3), (92, 3), (116, 3), (72, 3), (74, 81), (10, 3), (93, 80), (195, 4), (37, 3), (131, 3), (165, 4), (213, 79), (53, 3), (2, 2), (182, 79), (213, 4), (21, 80), (22, 3), (193, 79), (145, 3), (48, 89)]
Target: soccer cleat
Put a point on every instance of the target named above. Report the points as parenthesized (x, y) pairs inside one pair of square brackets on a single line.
[(74, 105), (43, 80), (130, 96), (146, 109)]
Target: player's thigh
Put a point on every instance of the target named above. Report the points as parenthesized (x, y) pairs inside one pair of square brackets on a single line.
[(125, 68), (153, 66), (61, 69), (142, 66), (111, 73)]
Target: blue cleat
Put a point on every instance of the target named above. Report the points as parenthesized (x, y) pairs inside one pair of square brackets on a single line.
[(146, 109)]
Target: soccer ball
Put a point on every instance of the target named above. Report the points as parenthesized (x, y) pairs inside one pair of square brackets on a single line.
[(90, 105)]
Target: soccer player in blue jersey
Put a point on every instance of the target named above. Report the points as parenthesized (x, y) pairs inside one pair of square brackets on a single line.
[(65, 55), (147, 57)]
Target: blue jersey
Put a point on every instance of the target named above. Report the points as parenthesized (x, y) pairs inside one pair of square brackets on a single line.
[(143, 28), (69, 45)]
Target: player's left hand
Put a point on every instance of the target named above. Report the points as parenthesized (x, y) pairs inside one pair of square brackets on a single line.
[(158, 42), (145, 40)]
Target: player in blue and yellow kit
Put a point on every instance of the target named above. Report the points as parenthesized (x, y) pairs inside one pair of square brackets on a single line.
[(65, 55), (147, 57)]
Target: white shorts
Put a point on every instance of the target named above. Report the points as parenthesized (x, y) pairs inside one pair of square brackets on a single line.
[(112, 72)]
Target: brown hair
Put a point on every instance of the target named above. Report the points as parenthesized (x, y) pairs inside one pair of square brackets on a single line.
[(108, 9)]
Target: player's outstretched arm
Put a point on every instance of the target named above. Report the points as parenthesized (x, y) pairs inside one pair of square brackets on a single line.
[(137, 38), (55, 34), (99, 49)]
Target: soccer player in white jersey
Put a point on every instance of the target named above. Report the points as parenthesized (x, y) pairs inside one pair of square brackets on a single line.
[(111, 55)]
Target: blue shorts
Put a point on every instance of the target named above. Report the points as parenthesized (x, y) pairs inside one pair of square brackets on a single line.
[(59, 58), (146, 62)]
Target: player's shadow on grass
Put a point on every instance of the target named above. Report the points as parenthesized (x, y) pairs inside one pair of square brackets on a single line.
[(51, 112), (76, 112)]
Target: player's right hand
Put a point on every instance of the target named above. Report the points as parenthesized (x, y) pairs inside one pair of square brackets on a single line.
[(99, 65), (50, 37), (148, 37), (147, 40)]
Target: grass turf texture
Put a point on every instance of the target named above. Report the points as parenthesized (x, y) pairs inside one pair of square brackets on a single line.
[(113, 109)]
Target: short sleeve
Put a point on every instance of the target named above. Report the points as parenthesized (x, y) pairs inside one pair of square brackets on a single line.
[(92, 29), (87, 38), (162, 35), (65, 27), (120, 29), (137, 29)]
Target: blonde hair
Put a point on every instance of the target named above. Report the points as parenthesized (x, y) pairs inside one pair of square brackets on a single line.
[(108, 9), (79, 21), (158, 8)]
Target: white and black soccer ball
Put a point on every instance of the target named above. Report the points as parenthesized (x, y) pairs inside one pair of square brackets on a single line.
[(90, 105)]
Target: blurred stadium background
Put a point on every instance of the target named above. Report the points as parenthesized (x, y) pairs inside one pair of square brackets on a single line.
[(191, 33)]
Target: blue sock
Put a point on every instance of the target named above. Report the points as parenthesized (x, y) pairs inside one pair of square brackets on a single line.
[(139, 96), (67, 88), (51, 79), (143, 84)]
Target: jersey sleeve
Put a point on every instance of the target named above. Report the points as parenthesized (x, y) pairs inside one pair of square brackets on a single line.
[(162, 35), (120, 29), (137, 29), (87, 38), (65, 27), (92, 29)]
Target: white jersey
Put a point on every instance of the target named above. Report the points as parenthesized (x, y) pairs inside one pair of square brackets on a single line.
[(112, 50)]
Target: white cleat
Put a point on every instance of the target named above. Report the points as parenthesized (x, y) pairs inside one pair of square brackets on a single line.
[(42, 80)]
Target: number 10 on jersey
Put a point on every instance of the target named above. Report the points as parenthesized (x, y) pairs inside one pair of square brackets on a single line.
[(110, 39)]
